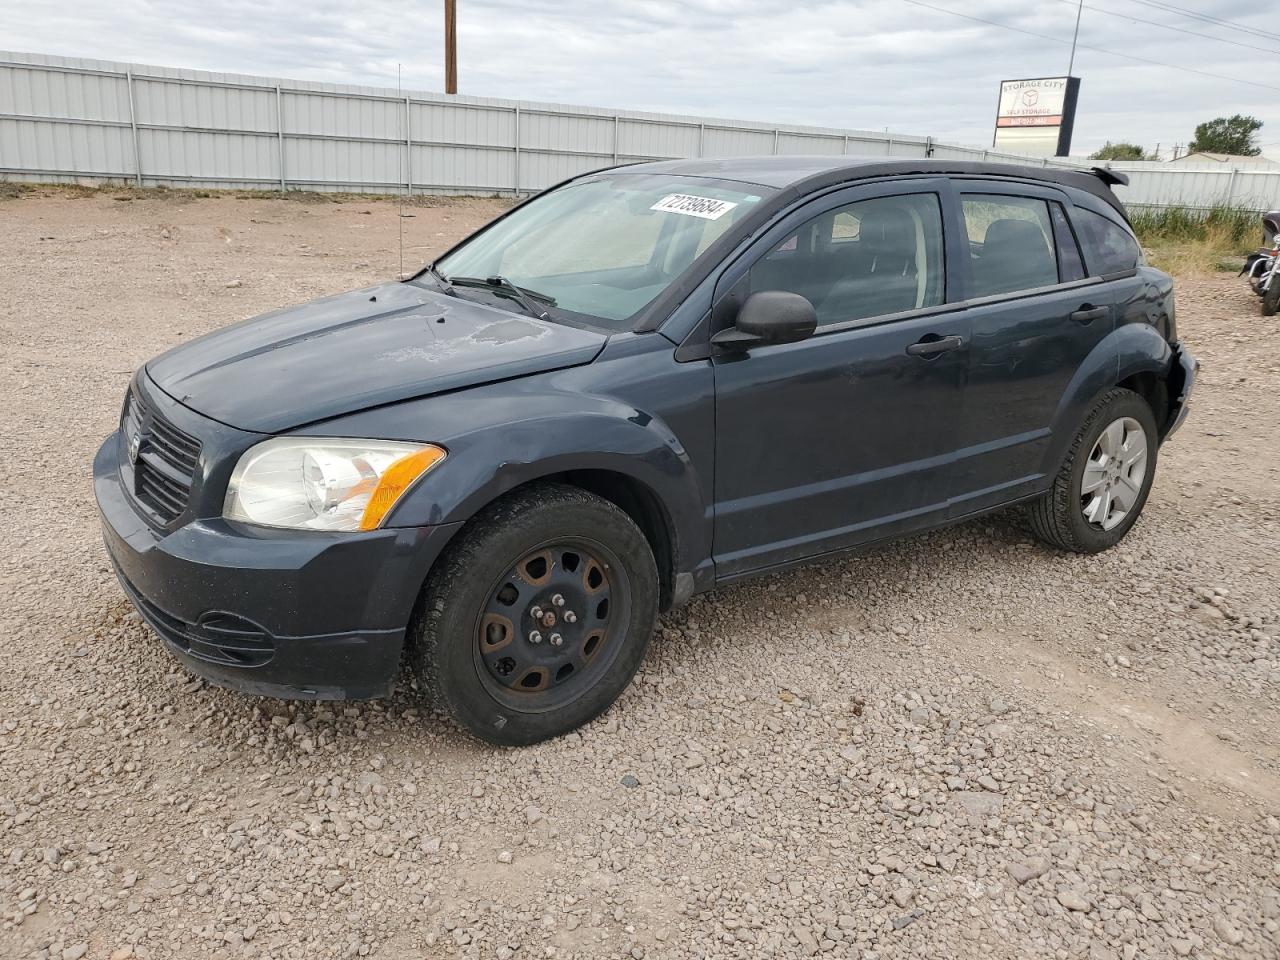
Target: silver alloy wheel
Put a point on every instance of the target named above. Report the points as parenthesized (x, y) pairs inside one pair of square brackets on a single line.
[(1113, 476)]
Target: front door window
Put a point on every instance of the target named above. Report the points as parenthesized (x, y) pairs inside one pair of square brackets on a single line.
[(865, 259)]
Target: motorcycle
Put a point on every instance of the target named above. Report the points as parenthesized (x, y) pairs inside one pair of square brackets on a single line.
[(1263, 266)]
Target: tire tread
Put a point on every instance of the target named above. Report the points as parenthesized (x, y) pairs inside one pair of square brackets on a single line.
[(1049, 514), (427, 630)]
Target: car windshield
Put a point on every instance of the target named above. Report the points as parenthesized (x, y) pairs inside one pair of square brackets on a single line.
[(603, 247)]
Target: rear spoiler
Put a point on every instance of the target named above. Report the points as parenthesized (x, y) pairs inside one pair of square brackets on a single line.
[(1110, 177)]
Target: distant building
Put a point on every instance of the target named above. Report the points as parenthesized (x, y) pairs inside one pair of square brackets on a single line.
[(1206, 160)]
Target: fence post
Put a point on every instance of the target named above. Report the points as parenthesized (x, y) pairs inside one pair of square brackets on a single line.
[(845, 149), (1231, 186), (702, 134), (928, 146), (775, 140), (280, 136), (133, 125), (888, 149), (516, 175), (408, 149)]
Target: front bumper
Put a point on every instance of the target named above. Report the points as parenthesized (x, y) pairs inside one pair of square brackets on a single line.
[(1182, 379), (277, 613)]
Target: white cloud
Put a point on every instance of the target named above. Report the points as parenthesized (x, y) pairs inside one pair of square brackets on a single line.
[(871, 64)]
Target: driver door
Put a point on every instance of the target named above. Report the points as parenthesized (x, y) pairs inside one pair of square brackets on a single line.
[(850, 435)]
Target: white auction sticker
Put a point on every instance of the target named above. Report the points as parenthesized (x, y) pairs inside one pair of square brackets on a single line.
[(691, 206)]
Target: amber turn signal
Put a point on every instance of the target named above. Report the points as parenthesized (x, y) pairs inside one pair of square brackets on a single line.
[(395, 480)]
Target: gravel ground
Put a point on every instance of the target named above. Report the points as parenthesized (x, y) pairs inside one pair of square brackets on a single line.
[(965, 745)]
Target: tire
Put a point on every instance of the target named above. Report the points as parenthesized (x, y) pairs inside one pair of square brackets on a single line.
[(1058, 518), (471, 638), (1271, 298)]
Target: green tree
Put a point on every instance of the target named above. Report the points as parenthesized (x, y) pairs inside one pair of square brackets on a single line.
[(1120, 151), (1233, 135)]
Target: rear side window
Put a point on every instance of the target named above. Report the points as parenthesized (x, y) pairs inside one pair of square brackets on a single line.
[(1011, 243), (1108, 247)]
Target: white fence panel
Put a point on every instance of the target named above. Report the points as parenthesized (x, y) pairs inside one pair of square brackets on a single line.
[(736, 142), (61, 150), (1256, 189), (66, 119)]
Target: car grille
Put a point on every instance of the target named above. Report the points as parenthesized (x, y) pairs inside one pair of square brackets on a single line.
[(165, 461)]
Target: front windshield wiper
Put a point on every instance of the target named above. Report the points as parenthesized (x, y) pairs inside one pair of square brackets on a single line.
[(528, 298), (441, 280)]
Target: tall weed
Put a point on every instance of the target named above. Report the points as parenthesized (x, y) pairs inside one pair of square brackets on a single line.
[(1189, 240)]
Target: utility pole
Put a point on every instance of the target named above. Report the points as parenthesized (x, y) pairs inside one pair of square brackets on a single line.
[(451, 46), (1074, 37)]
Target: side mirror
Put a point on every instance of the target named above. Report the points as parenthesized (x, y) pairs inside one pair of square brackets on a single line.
[(770, 316)]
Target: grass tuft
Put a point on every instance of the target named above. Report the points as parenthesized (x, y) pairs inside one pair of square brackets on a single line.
[(1188, 240)]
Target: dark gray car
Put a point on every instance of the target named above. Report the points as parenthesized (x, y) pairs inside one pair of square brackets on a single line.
[(640, 384)]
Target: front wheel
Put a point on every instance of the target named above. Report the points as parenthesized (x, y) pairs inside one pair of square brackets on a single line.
[(536, 620), (1103, 484)]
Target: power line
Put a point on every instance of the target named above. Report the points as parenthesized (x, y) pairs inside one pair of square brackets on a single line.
[(1085, 46), (1167, 26), (1217, 22)]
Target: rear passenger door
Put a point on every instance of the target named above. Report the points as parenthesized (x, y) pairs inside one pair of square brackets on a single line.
[(1036, 315)]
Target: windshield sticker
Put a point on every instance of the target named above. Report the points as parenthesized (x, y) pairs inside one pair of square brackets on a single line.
[(691, 206)]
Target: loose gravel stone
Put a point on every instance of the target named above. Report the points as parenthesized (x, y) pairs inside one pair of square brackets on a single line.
[(1028, 870), (1074, 900)]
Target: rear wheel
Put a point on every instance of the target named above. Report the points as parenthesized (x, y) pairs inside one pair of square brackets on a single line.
[(1103, 484), (538, 617)]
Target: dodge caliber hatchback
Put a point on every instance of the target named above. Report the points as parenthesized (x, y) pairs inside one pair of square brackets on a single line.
[(640, 384)]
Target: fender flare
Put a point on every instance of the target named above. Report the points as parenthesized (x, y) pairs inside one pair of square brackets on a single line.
[(1130, 349)]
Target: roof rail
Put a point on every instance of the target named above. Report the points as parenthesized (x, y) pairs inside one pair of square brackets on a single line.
[(1110, 177)]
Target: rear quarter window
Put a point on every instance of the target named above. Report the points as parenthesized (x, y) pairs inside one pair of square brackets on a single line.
[(1108, 247)]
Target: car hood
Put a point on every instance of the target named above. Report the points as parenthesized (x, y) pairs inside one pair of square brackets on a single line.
[(357, 350)]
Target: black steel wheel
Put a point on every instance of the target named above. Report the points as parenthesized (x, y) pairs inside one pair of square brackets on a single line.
[(552, 623), (537, 617)]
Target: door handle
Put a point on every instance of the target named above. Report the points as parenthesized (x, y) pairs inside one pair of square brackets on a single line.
[(932, 345), (1088, 314)]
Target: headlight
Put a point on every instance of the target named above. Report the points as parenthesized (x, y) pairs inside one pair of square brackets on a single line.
[(314, 484)]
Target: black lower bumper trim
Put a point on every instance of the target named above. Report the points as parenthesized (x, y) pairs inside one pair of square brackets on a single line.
[(358, 665)]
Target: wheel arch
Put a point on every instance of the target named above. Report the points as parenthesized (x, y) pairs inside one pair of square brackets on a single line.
[(638, 468), (1154, 389), (1134, 356), (632, 496)]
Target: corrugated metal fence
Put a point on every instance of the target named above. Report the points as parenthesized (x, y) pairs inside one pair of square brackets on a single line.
[(74, 120)]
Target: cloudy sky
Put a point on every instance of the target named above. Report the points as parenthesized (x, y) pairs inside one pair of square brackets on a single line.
[(904, 65)]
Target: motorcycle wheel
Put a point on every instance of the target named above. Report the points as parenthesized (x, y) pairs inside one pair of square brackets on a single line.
[(1271, 298)]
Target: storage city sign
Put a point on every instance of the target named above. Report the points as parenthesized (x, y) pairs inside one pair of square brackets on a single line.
[(1036, 116)]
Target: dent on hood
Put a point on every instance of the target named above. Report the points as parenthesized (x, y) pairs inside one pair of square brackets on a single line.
[(499, 332)]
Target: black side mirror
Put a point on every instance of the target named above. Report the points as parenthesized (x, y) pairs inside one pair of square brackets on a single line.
[(770, 316)]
